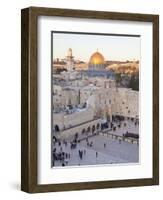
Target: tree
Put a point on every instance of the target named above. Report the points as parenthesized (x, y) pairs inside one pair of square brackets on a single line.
[(134, 82), (118, 78)]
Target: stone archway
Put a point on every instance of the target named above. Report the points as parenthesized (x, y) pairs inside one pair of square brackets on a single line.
[(93, 128), (88, 129), (98, 126)]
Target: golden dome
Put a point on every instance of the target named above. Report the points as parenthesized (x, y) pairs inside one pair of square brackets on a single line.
[(96, 59)]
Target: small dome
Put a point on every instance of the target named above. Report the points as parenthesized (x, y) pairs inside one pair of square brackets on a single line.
[(97, 59)]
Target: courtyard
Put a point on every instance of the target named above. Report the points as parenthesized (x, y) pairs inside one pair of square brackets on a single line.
[(104, 147)]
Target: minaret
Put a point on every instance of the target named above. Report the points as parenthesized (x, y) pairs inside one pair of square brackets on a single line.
[(69, 59)]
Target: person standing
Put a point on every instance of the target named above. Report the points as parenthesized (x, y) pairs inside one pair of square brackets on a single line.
[(81, 154)]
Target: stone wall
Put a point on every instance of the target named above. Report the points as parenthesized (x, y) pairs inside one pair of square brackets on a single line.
[(65, 121), (67, 133)]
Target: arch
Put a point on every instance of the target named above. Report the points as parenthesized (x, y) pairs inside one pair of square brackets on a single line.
[(88, 129), (93, 128), (97, 126)]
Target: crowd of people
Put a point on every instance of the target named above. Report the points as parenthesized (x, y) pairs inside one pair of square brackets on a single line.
[(59, 154)]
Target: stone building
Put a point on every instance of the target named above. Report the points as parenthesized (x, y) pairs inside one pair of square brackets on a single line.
[(81, 103)]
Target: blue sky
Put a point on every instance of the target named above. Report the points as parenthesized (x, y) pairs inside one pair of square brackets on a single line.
[(83, 46)]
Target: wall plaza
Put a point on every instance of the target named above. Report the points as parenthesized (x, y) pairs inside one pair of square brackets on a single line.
[(82, 102), (88, 103)]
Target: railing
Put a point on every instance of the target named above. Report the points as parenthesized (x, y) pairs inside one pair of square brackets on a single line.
[(121, 138), (79, 124)]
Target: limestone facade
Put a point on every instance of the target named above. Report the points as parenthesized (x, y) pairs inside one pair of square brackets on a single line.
[(91, 102)]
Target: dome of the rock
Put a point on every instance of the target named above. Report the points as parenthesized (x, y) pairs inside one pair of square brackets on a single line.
[(96, 59)]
